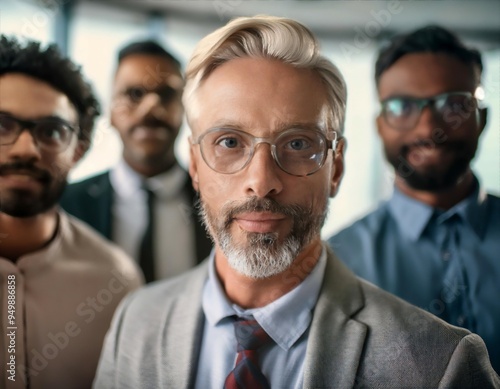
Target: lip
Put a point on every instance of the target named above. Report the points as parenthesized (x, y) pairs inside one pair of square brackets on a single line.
[(148, 133), (419, 155), (20, 180), (260, 222)]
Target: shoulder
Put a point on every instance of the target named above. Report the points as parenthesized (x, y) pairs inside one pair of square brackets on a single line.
[(144, 314), (356, 243), (493, 202), (159, 295), (417, 346), (88, 185), (80, 243), (369, 225), (383, 311)]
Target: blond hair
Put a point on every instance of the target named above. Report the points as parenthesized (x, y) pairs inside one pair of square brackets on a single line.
[(270, 37)]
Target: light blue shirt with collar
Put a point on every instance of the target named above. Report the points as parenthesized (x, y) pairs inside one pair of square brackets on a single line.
[(286, 320), (446, 262)]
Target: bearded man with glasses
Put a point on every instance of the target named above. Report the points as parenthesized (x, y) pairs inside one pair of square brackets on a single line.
[(272, 307), (435, 243), (60, 282)]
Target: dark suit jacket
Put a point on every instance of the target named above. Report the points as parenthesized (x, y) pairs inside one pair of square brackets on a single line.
[(91, 200)]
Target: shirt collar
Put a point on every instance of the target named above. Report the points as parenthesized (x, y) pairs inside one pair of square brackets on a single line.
[(471, 210), (127, 182), (51, 253), (413, 216), (285, 320)]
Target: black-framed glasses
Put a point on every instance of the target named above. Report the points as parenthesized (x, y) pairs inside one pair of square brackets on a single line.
[(135, 94), (403, 112), (299, 152), (51, 134)]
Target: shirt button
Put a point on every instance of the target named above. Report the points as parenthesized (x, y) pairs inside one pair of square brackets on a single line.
[(461, 320), (446, 255)]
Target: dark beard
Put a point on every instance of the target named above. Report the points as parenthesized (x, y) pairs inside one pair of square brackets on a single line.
[(23, 203), (433, 179)]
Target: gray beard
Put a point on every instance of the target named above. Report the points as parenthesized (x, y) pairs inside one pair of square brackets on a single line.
[(263, 255)]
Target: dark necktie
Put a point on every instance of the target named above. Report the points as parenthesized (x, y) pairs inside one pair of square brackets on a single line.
[(146, 250), (246, 373)]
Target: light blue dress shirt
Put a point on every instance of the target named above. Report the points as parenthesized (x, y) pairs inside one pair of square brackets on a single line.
[(286, 320), (446, 262)]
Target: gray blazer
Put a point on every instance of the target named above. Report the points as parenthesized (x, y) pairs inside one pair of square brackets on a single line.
[(360, 337)]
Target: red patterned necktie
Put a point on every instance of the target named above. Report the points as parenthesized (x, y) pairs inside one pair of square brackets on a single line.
[(246, 373)]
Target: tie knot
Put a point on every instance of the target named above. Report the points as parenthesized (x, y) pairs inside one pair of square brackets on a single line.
[(250, 335), (150, 194)]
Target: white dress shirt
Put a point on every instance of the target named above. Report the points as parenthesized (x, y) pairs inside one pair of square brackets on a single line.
[(174, 237)]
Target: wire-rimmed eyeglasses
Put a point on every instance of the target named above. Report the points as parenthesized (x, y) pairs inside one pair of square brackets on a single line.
[(297, 151)]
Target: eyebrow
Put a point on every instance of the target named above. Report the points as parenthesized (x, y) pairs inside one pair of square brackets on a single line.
[(36, 119), (279, 127)]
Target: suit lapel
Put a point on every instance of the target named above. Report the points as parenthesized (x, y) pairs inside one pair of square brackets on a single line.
[(335, 340), (105, 206), (182, 336)]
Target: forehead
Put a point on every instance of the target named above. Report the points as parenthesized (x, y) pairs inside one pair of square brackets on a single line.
[(259, 95), (30, 98), (147, 71), (426, 74)]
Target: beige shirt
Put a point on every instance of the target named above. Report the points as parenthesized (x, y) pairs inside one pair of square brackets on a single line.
[(64, 297)]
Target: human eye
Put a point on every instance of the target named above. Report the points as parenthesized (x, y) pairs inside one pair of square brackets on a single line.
[(298, 141), (298, 144), (399, 107), (455, 103), (167, 94), (7, 124), (134, 93), (52, 132), (228, 140)]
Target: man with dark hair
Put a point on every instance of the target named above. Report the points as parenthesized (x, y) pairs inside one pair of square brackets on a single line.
[(145, 203), (435, 243), (60, 282)]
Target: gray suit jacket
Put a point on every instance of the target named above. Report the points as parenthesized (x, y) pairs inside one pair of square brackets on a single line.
[(360, 337)]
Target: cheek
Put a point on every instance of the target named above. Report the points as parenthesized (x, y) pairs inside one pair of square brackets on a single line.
[(177, 113), (121, 113), (215, 188), (59, 167)]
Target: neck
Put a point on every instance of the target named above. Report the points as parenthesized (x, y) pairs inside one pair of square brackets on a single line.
[(251, 293), (444, 199), (20, 236)]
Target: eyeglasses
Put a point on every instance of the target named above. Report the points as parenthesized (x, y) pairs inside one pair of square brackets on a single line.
[(299, 152), (135, 94), (403, 112), (51, 134)]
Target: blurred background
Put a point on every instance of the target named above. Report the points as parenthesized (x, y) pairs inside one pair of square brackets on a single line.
[(350, 32)]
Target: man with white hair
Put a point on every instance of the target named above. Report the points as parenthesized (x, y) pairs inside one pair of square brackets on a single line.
[(273, 307)]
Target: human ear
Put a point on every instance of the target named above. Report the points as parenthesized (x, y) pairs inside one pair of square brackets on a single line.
[(338, 166)]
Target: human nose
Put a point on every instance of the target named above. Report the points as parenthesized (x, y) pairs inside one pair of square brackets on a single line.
[(428, 121), (150, 104), (24, 147), (262, 175)]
